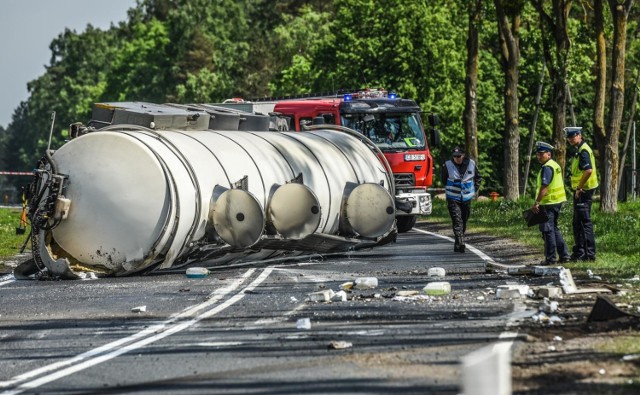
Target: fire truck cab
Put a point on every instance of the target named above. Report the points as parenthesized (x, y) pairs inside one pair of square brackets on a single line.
[(394, 125)]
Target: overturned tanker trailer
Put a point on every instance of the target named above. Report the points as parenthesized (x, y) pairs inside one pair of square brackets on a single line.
[(146, 187)]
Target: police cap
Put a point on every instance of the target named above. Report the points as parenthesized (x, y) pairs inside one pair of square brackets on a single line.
[(541, 146), (457, 151), (571, 131)]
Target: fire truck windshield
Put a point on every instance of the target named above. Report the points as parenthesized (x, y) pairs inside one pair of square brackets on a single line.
[(390, 132)]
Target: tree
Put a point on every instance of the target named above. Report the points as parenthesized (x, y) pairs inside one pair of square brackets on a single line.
[(599, 132), (508, 17), (470, 123), (557, 62), (608, 189)]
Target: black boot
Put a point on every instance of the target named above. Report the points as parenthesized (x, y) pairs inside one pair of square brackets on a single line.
[(456, 246), (462, 246)]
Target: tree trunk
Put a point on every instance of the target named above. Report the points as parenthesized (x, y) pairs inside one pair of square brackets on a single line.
[(599, 132), (532, 128), (471, 81), (508, 32), (620, 14), (629, 125), (557, 60)]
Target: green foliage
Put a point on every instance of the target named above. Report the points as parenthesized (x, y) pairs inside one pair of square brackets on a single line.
[(140, 67), (10, 243), (204, 51)]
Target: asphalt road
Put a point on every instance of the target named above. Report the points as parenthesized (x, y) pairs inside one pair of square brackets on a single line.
[(234, 332)]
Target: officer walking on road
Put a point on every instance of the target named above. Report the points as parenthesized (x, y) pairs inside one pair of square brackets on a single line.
[(584, 181), (461, 178), (550, 196)]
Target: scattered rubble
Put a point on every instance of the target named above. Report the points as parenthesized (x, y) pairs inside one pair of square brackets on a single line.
[(197, 272), (303, 323), (322, 296), (437, 288), (366, 283), (436, 272), (139, 309), (339, 344)]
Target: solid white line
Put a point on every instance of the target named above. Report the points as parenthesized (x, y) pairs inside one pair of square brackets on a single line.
[(9, 278), (471, 248), (507, 337), (97, 356)]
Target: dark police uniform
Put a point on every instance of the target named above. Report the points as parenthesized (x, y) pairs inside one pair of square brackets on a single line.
[(550, 176), (461, 183)]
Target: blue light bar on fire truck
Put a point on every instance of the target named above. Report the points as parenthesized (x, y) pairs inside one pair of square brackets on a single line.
[(368, 93)]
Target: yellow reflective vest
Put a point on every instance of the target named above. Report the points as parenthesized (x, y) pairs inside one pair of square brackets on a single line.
[(555, 192), (576, 173)]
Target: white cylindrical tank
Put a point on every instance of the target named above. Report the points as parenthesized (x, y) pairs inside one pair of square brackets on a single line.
[(142, 198)]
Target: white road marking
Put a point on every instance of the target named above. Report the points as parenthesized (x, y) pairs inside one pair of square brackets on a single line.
[(9, 278), (160, 331), (217, 344), (507, 337), (471, 248)]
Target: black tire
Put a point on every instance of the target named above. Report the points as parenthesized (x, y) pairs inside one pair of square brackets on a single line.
[(405, 223)]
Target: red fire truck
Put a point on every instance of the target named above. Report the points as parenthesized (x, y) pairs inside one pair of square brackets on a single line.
[(394, 125)]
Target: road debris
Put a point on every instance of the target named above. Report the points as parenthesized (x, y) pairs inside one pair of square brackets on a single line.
[(511, 291), (339, 296), (593, 276), (548, 306), (548, 291), (322, 296), (437, 288), (346, 286), (197, 272), (339, 345), (504, 292), (303, 323), (436, 272), (569, 286), (605, 310), (366, 283), (407, 293), (139, 309)]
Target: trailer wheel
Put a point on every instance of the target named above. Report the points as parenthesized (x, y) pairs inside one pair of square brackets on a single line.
[(405, 223)]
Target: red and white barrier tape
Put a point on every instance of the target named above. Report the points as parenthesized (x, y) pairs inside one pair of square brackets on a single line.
[(16, 173)]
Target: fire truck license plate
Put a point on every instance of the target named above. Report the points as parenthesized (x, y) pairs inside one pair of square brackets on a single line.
[(413, 157)]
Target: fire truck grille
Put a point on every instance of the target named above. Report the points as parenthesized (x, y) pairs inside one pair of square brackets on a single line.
[(404, 180)]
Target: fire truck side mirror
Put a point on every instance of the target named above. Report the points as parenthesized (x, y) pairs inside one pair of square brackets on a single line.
[(433, 120), (435, 138)]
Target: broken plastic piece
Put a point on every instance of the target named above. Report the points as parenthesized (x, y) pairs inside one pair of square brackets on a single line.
[(436, 272), (303, 323), (197, 272), (437, 288), (366, 282), (338, 345)]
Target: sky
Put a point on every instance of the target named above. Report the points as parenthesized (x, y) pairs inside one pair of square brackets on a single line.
[(27, 27)]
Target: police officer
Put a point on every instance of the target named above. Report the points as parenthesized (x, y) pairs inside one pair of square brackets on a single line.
[(550, 196), (584, 181), (461, 178)]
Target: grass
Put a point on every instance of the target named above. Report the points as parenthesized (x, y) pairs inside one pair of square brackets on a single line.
[(617, 235), (10, 243)]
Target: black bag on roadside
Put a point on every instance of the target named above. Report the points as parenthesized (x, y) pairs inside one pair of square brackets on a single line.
[(535, 218)]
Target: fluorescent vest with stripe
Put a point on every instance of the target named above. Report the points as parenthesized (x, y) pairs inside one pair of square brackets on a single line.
[(576, 173), (555, 191), (460, 187)]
